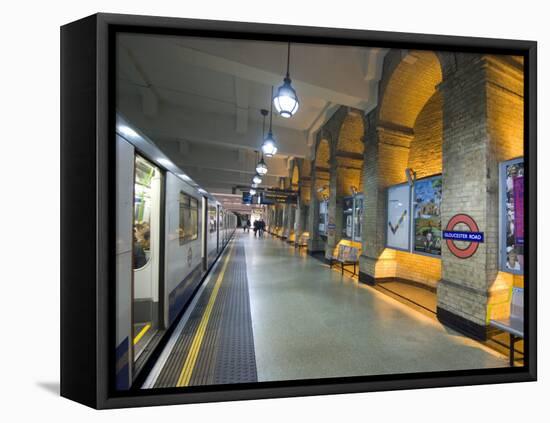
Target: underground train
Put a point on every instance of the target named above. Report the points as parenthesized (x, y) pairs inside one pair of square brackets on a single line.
[(169, 232)]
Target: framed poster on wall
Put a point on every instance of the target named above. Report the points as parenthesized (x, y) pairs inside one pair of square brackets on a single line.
[(357, 217), (347, 218), (398, 224), (323, 217), (427, 216), (512, 235)]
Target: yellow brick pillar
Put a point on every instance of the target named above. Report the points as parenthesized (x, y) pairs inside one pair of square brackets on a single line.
[(385, 160), (480, 129)]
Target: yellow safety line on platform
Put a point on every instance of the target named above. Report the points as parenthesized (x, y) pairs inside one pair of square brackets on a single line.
[(192, 355), (141, 333)]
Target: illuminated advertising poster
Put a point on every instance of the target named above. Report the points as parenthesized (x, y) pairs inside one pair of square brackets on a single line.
[(357, 217), (427, 216), (347, 226), (398, 217), (512, 227), (323, 215)]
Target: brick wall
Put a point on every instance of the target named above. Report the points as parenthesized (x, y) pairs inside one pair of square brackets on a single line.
[(346, 129), (320, 177), (409, 80), (463, 290), (483, 125), (418, 268), (460, 119), (505, 128), (425, 155), (408, 134), (350, 135)]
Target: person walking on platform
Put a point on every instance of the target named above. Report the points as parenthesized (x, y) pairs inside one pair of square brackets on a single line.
[(256, 227), (261, 227)]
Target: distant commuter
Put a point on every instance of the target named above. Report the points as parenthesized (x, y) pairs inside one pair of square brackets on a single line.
[(247, 226), (256, 227), (261, 227)]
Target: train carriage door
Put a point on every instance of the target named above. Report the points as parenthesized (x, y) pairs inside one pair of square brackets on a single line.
[(212, 226), (146, 309), (205, 233), (218, 229)]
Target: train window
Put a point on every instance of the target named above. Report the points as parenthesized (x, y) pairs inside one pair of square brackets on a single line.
[(145, 174), (188, 218), (212, 219)]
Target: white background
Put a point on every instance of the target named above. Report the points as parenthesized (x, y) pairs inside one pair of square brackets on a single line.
[(29, 101)]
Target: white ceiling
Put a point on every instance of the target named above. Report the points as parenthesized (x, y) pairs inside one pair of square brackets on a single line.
[(191, 95)]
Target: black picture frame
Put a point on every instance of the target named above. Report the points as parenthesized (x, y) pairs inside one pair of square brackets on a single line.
[(87, 209)]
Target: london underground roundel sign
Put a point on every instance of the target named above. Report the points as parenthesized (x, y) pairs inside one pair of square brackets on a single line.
[(473, 237)]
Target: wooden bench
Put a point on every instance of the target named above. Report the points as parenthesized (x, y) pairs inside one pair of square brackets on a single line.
[(302, 240), (291, 237), (346, 255), (514, 324)]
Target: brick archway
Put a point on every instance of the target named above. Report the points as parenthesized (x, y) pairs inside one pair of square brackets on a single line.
[(349, 153), (410, 80), (322, 161), (405, 131)]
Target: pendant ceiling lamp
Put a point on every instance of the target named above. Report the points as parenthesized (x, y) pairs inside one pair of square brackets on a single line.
[(269, 147), (261, 167), (256, 179), (285, 100)]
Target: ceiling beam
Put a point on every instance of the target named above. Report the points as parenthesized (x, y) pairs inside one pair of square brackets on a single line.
[(149, 98), (241, 105), (211, 56), (372, 70), (179, 123)]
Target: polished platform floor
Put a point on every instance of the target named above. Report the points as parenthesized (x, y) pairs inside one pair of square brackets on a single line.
[(269, 312)]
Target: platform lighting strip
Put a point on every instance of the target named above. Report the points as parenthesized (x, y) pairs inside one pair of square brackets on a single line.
[(191, 359)]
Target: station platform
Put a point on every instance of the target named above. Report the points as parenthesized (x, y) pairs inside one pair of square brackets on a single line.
[(269, 312)]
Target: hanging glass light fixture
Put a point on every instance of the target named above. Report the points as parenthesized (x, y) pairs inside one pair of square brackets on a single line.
[(285, 100), (269, 147), (256, 179), (261, 167)]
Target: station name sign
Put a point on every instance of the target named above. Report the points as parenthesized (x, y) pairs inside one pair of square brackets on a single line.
[(464, 236), (270, 197)]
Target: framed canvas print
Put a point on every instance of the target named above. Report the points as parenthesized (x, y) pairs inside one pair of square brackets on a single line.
[(256, 211)]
